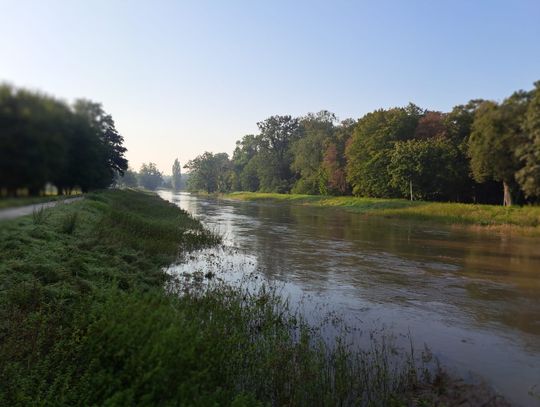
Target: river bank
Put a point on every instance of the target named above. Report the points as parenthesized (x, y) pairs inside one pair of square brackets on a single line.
[(515, 219), (89, 317)]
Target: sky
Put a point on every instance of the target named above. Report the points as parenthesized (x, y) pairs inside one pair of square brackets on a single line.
[(184, 77)]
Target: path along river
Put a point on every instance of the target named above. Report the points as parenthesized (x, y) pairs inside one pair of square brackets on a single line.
[(472, 296)]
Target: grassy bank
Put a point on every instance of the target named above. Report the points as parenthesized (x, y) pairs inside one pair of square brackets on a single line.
[(88, 317), (524, 219)]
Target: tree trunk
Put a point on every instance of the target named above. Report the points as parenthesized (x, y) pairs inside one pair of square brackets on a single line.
[(507, 200), (410, 187)]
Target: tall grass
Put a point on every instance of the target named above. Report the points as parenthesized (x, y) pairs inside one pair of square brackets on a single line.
[(527, 218), (86, 319)]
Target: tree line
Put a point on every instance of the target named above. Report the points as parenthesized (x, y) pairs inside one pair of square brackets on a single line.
[(151, 178), (44, 140), (482, 151)]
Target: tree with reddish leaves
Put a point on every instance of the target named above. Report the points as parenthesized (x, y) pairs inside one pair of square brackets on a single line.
[(431, 124)]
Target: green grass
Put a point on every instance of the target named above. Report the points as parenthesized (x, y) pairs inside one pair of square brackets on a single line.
[(89, 317), (526, 218)]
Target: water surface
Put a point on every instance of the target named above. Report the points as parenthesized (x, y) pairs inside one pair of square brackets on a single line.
[(472, 296)]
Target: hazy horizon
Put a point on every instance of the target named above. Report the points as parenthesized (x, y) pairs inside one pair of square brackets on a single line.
[(184, 78)]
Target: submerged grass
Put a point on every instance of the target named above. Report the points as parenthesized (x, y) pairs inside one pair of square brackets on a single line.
[(524, 219), (87, 319)]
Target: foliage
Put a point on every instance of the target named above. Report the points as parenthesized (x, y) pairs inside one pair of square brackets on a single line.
[(423, 167), (308, 151), (368, 153), (128, 180), (277, 135), (150, 177), (528, 176), (45, 140), (85, 320), (210, 172), (497, 133), (176, 179)]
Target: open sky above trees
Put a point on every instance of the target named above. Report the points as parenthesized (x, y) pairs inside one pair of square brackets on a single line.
[(182, 78)]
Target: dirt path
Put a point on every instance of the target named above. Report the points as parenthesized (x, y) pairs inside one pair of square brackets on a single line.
[(11, 213)]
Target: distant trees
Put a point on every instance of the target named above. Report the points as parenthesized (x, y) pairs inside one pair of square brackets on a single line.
[(128, 180), (477, 152), (210, 172), (176, 178), (44, 140), (150, 177)]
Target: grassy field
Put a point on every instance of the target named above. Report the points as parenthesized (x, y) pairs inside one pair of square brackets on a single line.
[(521, 219), (89, 317)]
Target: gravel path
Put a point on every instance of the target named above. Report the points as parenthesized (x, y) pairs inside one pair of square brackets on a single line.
[(11, 213)]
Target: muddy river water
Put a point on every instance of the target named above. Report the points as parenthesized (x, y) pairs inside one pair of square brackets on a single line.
[(473, 297)]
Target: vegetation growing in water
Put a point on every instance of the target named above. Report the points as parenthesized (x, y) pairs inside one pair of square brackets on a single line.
[(85, 319)]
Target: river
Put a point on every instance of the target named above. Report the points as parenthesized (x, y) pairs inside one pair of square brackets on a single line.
[(473, 297)]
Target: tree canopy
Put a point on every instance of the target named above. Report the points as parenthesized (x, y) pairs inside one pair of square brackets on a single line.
[(45, 140), (465, 155)]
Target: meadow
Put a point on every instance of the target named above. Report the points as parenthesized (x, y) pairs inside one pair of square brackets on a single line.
[(519, 219)]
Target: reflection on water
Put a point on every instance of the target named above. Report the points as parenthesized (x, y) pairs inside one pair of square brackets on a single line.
[(473, 297)]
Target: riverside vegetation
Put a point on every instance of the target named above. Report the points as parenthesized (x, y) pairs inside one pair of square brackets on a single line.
[(89, 317), (480, 152), (524, 220)]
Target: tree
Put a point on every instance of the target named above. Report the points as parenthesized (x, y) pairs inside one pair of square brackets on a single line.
[(150, 177), (497, 134), (176, 179), (33, 148), (128, 180), (104, 127), (318, 129), (333, 175), (423, 169), (368, 152), (245, 166), (278, 133), (528, 176), (210, 172)]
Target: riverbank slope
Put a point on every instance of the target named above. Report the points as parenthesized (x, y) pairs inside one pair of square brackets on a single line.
[(88, 316), (523, 220)]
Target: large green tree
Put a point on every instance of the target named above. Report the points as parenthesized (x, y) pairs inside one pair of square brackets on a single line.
[(368, 153), (528, 176), (308, 151), (497, 133), (423, 169), (210, 172), (277, 135), (245, 164)]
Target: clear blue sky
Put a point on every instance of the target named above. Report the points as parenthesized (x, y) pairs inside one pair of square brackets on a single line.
[(184, 77)]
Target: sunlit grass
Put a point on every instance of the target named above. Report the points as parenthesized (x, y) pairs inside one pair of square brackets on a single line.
[(88, 316), (527, 217)]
